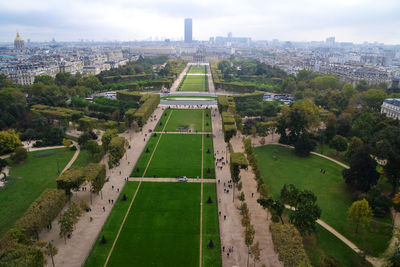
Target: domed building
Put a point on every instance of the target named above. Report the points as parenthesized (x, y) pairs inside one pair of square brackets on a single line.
[(19, 43)]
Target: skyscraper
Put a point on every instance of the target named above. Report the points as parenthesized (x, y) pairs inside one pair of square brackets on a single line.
[(188, 30)]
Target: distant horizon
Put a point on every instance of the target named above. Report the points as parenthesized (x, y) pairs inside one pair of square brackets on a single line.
[(355, 21)]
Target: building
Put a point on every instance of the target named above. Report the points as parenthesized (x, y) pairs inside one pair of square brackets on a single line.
[(330, 41), (18, 43), (188, 30), (391, 107)]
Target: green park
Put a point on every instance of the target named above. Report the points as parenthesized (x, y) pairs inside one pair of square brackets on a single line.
[(196, 83)]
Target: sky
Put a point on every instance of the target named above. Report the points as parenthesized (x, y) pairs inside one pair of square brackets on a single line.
[(129, 20)]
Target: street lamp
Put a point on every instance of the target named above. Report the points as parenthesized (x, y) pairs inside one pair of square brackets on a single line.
[(50, 247)]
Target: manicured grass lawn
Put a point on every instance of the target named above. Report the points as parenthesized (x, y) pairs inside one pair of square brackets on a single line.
[(34, 176), (330, 189), (162, 228), (331, 152), (197, 70), (211, 257), (323, 243), (83, 159), (176, 155), (194, 83), (145, 156), (208, 157), (110, 229), (191, 118)]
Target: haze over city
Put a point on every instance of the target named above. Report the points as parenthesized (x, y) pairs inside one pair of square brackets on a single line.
[(311, 20)]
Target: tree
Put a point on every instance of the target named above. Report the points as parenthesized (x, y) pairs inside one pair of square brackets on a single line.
[(331, 127), (364, 126), (3, 164), (263, 191), (255, 252), (67, 143), (339, 143), (394, 258), (362, 173), (106, 138), (387, 147), (277, 209), (249, 235), (9, 141), (20, 154), (359, 213), (303, 146), (354, 145), (305, 217), (66, 225)]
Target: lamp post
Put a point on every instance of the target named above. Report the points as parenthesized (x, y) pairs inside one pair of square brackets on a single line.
[(50, 247)]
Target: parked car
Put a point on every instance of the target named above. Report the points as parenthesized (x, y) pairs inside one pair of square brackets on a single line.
[(182, 179)]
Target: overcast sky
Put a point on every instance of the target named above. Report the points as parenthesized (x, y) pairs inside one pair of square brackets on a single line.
[(294, 20)]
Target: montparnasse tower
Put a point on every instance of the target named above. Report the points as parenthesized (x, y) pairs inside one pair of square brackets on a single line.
[(18, 43)]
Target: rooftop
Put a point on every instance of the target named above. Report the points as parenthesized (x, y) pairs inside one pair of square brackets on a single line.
[(393, 101)]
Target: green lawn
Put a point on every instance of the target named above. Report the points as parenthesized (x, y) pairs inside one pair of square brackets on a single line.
[(197, 70), (162, 228), (83, 159), (330, 189), (110, 229), (34, 176), (194, 83), (175, 155), (191, 118), (208, 157), (323, 243), (211, 257), (331, 152)]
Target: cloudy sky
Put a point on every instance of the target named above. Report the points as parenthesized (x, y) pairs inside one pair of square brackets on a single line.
[(294, 20)]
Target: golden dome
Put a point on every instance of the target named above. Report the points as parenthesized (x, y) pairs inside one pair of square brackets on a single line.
[(18, 38)]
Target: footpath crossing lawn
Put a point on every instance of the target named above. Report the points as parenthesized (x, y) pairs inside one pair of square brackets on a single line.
[(197, 70), (190, 119), (32, 177), (194, 83), (162, 227), (332, 193)]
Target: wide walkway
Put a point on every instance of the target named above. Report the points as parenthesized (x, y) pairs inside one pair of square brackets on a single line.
[(76, 249), (259, 217), (178, 81), (231, 229)]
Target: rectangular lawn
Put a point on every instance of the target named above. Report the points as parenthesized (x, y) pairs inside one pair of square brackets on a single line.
[(333, 195), (194, 83), (197, 70), (162, 228), (190, 118)]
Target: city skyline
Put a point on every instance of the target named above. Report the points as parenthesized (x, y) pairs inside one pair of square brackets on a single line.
[(349, 21)]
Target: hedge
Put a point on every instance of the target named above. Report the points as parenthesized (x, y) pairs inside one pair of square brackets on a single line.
[(222, 103), (235, 87), (117, 150), (129, 96), (75, 176), (42, 212), (289, 245), (238, 158), (87, 123), (56, 113), (227, 118), (248, 97), (229, 131), (146, 109)]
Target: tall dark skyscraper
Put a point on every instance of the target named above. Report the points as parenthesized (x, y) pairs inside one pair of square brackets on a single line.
[(188, 30)]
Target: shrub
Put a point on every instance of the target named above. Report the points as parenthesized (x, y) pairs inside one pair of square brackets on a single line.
[(289, 244), (19, 155)]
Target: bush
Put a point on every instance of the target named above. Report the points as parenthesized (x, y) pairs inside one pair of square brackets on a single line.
[(19, 155), (339, 143), (289, 244)]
